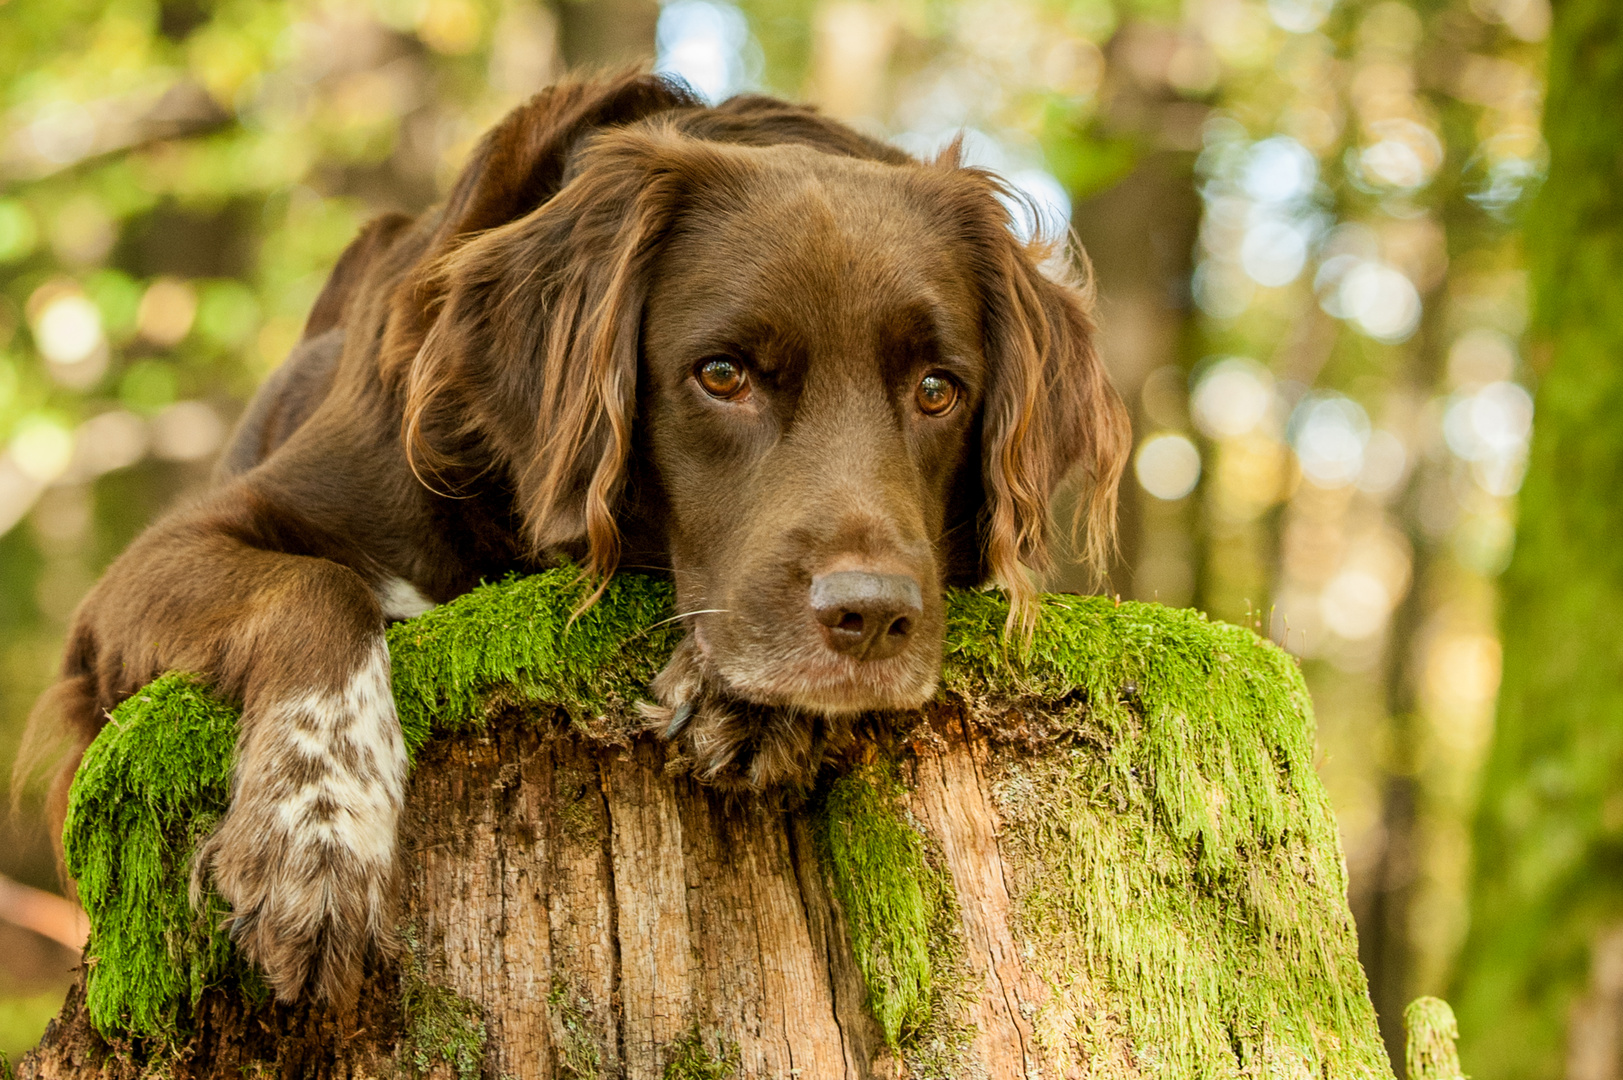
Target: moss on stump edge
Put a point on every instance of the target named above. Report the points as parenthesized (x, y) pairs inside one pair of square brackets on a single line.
[(1173, 861)]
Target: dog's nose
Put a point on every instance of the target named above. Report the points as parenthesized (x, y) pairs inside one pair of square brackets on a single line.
[(866, 615)]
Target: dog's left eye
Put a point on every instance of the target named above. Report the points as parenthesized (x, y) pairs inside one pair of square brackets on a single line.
[(723, 378), (937, 394)]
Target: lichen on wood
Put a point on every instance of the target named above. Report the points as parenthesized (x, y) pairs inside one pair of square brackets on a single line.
[(578, 1039), (439, 1026), (691, 1057), (1166, 857)]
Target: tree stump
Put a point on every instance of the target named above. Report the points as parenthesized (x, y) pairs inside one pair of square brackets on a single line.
[(1104, 853)]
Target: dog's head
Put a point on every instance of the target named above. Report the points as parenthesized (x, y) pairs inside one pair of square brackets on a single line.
[(824, 379)]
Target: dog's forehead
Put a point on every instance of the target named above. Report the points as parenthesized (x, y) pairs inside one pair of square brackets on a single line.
[(796, 236)]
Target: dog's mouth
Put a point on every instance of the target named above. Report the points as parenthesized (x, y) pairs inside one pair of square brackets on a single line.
[(805, 674), (748, 720)]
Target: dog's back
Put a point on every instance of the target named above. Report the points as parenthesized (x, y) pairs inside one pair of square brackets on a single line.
[(293, 392)]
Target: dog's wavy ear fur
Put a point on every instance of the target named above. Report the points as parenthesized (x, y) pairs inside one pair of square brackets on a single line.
[(524, 160), (1050, 411), (531, 314)]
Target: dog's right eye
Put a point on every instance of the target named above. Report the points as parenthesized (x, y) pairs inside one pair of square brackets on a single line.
[(723, 378), (936, 394)]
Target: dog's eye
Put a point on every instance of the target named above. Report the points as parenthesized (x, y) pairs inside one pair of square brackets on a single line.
[(723, 378), (936, 395)]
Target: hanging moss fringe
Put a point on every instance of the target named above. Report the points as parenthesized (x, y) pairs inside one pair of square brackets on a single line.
[(1175, 864), (876, 862)]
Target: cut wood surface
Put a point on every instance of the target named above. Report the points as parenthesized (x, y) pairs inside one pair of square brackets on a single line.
[(1103, 854)]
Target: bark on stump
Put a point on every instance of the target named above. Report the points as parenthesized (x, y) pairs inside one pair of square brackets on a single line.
[(1105, 855)]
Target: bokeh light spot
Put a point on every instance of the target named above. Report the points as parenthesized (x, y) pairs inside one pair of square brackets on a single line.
[(1232, 397), (1329, 432), (1167, 466)]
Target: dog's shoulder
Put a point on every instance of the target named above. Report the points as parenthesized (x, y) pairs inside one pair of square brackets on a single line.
[(284, 401)]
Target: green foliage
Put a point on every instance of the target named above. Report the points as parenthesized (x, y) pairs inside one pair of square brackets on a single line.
[(1550, 830), (1088, 166), (226, 153)]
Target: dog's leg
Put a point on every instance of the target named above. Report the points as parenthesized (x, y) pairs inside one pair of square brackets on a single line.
[(306, 853)]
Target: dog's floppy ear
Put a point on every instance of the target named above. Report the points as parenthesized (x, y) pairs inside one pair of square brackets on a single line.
[(514, 345), (519, 164), (523, 160), (530, 365), (1049, 412)]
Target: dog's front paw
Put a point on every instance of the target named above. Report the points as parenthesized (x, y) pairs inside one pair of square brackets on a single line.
[(305, 911), (306, 854), (734, 745)]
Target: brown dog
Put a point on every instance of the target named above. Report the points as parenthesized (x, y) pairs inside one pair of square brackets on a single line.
[(815, 378)]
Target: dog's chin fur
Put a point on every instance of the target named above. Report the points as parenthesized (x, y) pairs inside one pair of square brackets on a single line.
[(830, 684), (741, 744)]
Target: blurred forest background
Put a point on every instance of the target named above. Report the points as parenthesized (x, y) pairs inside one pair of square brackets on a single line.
[(1303, 215)]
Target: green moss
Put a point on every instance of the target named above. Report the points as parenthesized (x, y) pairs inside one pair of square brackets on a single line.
[(516, 642), (876, 862), (690, 1058), (438, 1025), (1429, 1052), (1175, 863), (151, 785), (1172, 857), (902, 917)]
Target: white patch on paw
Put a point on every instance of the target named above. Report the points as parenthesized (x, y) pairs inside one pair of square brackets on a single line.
[(306, 853), (400, 599), (353, 765)]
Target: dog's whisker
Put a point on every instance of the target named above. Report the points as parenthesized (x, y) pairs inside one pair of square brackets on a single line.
[(685, 615)]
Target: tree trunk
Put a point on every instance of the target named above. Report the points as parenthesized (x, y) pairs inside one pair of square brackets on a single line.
[(1105, 855), (1541, 982)]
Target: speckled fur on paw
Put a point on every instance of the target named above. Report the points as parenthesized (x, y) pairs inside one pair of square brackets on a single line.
[(306, 914), (306, 853)]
